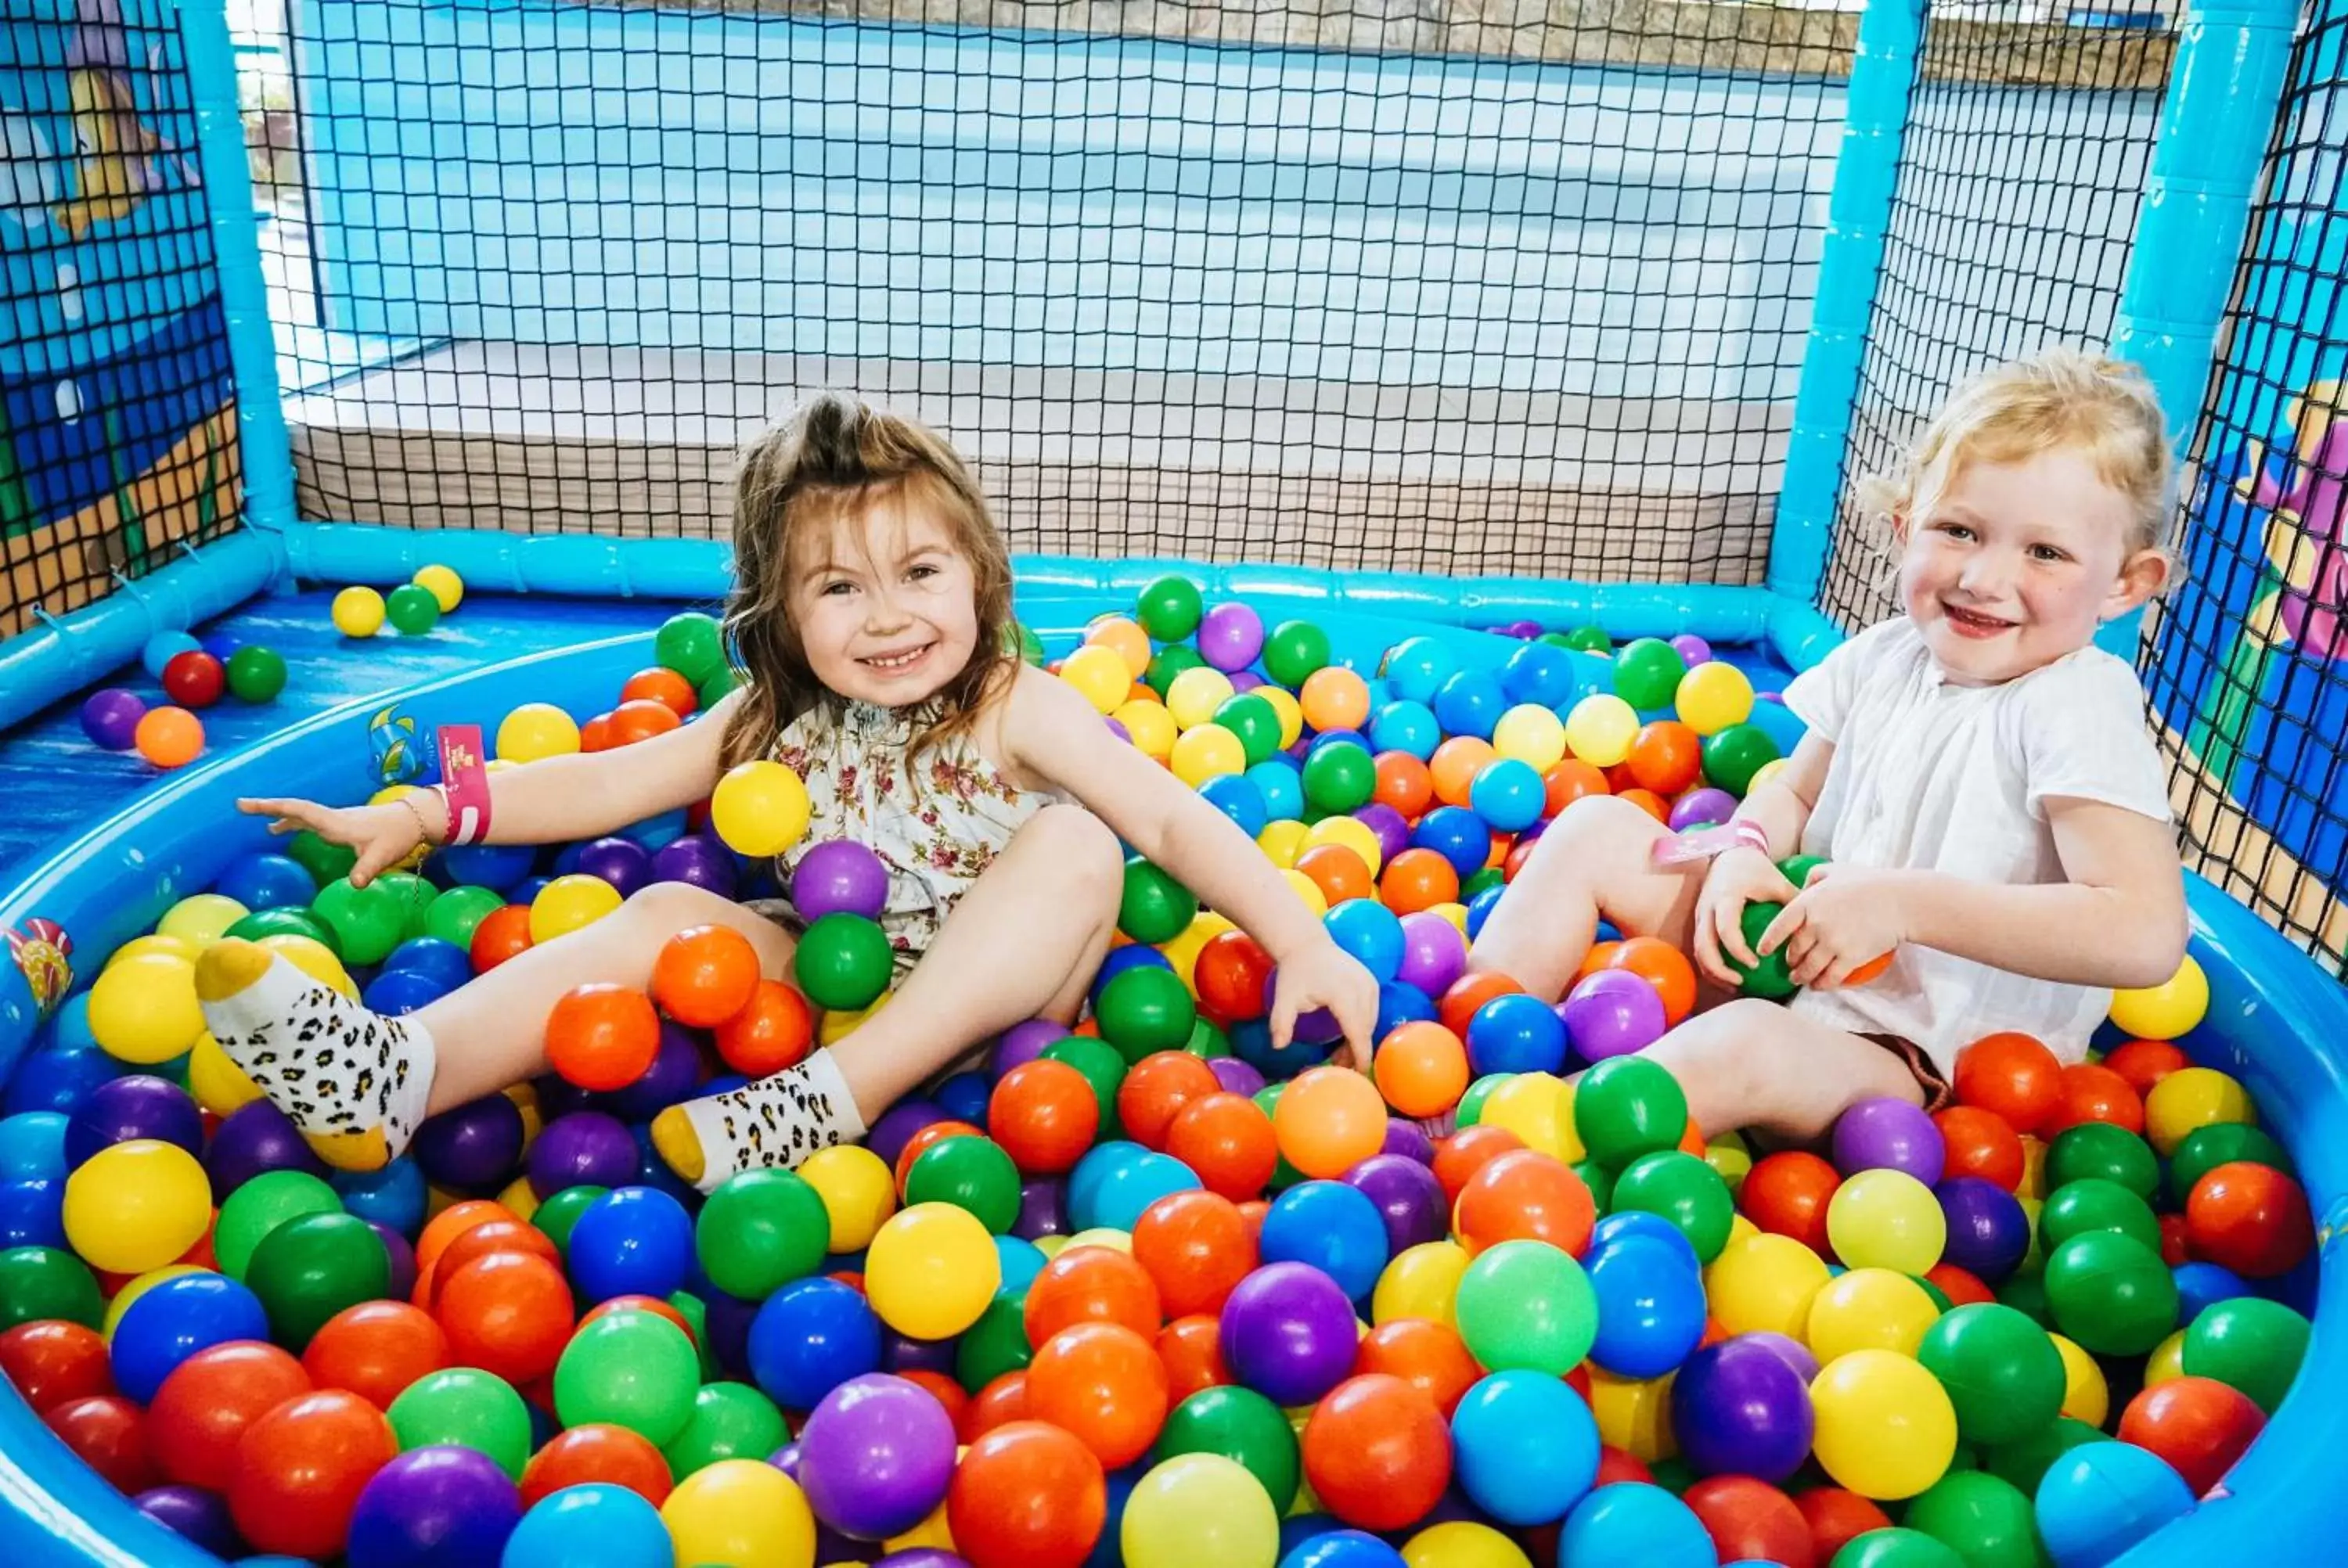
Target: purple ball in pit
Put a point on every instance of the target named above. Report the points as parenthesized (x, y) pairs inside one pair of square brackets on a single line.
[(138, 1105), (1246, 680), (1702, 807), (471, 1146), (1116, 727), (700, 859), (839, 875), (1318, 1026), (875, 1456), (1521, 629), (623, 863), (110, 718), (1231, 635), (403, 1261), (831, 1547), (1611, 1013), (1393, 832), (584, 1149), (1024, 1042), (1043, 1209), (1989, 1231), (200, 1516), (1434, 953), (1741, 1409), (889, 1136), (1778, 697), (1797, 1355), (729, 1332), (1288, 1333), (436, 1507), (1693, 650), (1885, 1134), (900, 1353), (673, 1076), (1534, 829), (1408, 1196), (923, 1557), (1404, 1138), (252, 1141), (787, 1459), (559, 1097), (1236, 1076)]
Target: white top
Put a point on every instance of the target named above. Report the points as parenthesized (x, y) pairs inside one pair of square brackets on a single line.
[(1932, 775)]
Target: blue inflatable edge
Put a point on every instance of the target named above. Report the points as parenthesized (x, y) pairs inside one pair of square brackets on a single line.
[(2269, 1009)]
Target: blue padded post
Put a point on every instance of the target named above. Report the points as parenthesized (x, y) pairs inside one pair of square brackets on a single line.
[(1851, 263)]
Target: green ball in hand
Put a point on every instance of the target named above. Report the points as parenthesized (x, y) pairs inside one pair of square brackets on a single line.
[(1770, 978)]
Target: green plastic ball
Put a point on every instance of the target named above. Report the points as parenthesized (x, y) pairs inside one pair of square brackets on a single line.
[(1146, 1009), (1674, 1474), (1103, 1066), (974, 1174), (2092, 1203), (1471, 1109), (258, 1207), (1733, 755), (996, 1344), (1340, 777), (1170, 608), (468, 1408), (708, 694), (453, 917), (415, 898), (1683, 1189), (759, 1231), (2248, 1343), (1255, 721), (325, 862), (368, 921), (633, 1369), (1526, 1304), (412, 607), (691, 644), (1169, 661), (287, 922), (557, 1213), (308, 1269), (690, 1308), (843, 962), (2023, 1465), (255, 674), (1984, 1520), (1490, 877), (2001, 1369), (2103, 1152), (1772, 977), (1155, 908), (1588, 640), (2205, 1149), (1207, 1040), (1025, 644), (2026, 1294), (729, 1421), (1647, 672), (1293, 651), (2111, 1293), (1797, 868), (1627, 1106), (48, 1282), (1599, 1180), (1284, 1174), (1242, 1426), (1940, 1302), (1896, 1548)]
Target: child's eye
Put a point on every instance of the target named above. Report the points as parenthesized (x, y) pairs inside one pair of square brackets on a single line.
[(839, 585), (1957, 531), (923, 571), (2047, 553)]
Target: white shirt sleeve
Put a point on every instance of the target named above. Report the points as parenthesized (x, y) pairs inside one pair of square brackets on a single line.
[(1822, 695), (2084, 738)]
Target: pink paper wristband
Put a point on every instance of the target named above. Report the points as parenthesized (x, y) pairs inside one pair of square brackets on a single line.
[(465, 783), (1710, 843)]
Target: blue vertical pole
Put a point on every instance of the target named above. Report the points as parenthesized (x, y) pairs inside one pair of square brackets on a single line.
[(1850, 261)]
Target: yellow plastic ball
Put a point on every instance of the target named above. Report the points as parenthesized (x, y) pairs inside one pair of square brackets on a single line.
[(1764, 1282), (1197, 1509), (1730, 1159), (122, 1299), (740, 1513), (1456, 913), (836, 1027), (2087, 1397), (1887, 1219), (1869, 1309), (1740, 1229), (1149, 727), (1764, 773), (858, 1192), (536, 730), (357, 612), (1712, 696), (1462, 1544), (1182, 951), (760, 808), (1884, 1427), (1532, 734), (1600, 729), (1538, 1108), (2033, 1189), (1207, 752), (935, 1533), (1051, 1246), (137, 1205), (202, 919), (1353, 833), (1308, 890), (1420, 1282), (567, 903), (521, 1197), (1291, 712), (2166, 1362), (178, 948), (219, 1084), (2167, 1011), (1099, 675), (2192, 1098), (931, 1270), (1282, 841), (443, 584), (1122, 638), (1109, 1236), (1193, 696), (1634, 1414), (144, 1010), (314, 958)]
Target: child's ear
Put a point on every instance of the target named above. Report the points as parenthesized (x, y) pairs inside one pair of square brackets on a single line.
[(2142, 576)]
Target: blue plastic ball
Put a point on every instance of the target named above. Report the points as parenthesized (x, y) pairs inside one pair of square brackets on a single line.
[(1650, 1305), (1341, 1549), (1371, 933), (1332, 1226), (57, 1080), (267, 882), (1126, 1188), (631, 1241), (1280, 783), (1633, 1525), (657, 832), (1481, 908), (2199, 1285), (1524, 1447), (1470, 704), (1406, 725), (1460, 836), (593, 1526), (176, 1318), (810, 1336), (443, 961), (1239, 797), (963, 1097), (497, 866), (33, 1146), (1418, 667), (395, 993), (1021, 1261), (1626, 1223), (69, 1027), (1538, 673), (164, 647), (1399, 1004), (1509, 794), (1252, 1043), (394, 1197), (1516, 1033), (2099, 1498), (32, 1213)]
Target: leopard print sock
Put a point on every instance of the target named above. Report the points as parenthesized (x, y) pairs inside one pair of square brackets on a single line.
[(354, 1082), (780, 1119)]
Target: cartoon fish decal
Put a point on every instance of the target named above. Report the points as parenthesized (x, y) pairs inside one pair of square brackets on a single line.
[(113, 165)]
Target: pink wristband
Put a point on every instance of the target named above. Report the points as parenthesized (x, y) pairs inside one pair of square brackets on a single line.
[(1710, 843), (465, 783)]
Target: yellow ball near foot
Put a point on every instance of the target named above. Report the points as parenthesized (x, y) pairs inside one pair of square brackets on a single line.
[(227, 967), (675, 1142)]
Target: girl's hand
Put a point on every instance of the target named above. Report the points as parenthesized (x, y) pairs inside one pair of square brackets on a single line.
[(1741, 876), (1325, 976), (382, 835), (1846, 917)]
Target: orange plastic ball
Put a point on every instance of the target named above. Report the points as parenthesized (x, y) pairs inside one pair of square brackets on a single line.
[(2198, 1425), (169, 737), (1045, 1115), (1227, 1141), (1376, 1452), (1338, 872), (1525, 1196), (1962, 1286), (204, 1406), (1836, 1518), (1334, 698), (2145, 1062), (1455, 764), (2093, 1093), (510, 1313), (662, 685), (502, 1235), (1468, 996), (1568, 782), (641, 720), (1403, 783), (1091, 1285), (1662, 965), (1428, 1356), (595, 734), (774, 1031), (503, 933), (1001, 1402), (705, 975), (1192, 1349), (453, 1222), (1459, 1157), (376, 1349), (596, 1451), (602, 1036), (1648, 801), (1231, 975), (1329, 1120), (1156, 1090), (1981, 1143), (2013, 1075), (1027, 1495), (1749, 1519), (1417, 879), (1195, 1247), (1421, 1068), (1786, 1193), (1667, 757)]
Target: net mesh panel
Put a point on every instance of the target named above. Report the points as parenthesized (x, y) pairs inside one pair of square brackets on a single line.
[(1354, 285), (2021, 170), (117, 415), (2242, 661)]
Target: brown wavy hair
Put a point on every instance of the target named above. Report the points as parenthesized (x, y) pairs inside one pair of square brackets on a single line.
[(831, 459)]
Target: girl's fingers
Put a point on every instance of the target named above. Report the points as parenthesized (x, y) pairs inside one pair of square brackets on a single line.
[(1781, 930)]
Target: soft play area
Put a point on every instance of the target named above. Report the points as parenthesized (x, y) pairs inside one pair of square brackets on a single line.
[(1409, 422)]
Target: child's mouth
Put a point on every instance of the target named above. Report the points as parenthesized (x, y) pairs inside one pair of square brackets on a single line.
[(896, 663), (1972, 623)]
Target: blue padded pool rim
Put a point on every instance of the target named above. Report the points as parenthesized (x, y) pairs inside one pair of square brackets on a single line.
[(2270, 1008)]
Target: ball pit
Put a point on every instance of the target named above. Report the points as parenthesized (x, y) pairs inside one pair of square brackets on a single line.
[(1577, 1214)]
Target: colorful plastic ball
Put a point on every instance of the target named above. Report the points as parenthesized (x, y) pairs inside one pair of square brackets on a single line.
[(110, 716), (162, 648), (1712, 696), (135, 1106), (692, 644), (169, 737), (1027, 1495), (1887, 1219), (1527, 1304), (636, 1370), (1627, 1106), (1170, 608), (1650, 1305), (1240, 1425), (2169, 1010), (1230, 636), (1294, 651), (2248, 1343), (174, 1320), (1887, 1134), (2111, 1293), (2101, 1498), (1885, 1426), (1764, 1282), (843, 963), (1611, 1013), (592, 1524), (759, 808), (1525, 1447), (1100, 674), (435, 1505), (876, 1457), (308, 1269), (740, 1513), (1988, 1230), (2003, 1375), (1600, 728), (1329, 1120), (931, 1271), (1376, 1453), (470, 1146), (2198, 1425), (2250, 1218), (195, 679), (447, 590), (300, 1468), (136, 1207), (357, 611), (1288, 1333), (1739, 1408), (1632, 1525), (1891, 1546)]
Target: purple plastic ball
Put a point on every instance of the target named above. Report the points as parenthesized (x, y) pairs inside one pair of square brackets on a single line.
[(1393, 832), (199, 1515), (584, 1149), (621, 862), (1231, 635), (1288, 1333), (1520, 628), (1693, 650), (403, 1260), (923, 1557), (1246, 680), (1702, 807), (701, 859), (110, 718), (1043, 1209), (897, 1124), (1434, 953), (437, 1507), (875, 1456), (1237, 1077), (1611, 1013), (673, 1076), (1116, 727), (839, 875), (1403, 1137), (1024, 1042), (1408, 1197), (470, 1146), (1887, 1135), (1989, 1231), (137, 1106), (900, 1353), (1797, 1355), (1739, 1408), (252, 1141)]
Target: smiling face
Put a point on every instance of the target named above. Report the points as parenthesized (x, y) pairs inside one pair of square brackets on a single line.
[(885, 605), (2013, 564)]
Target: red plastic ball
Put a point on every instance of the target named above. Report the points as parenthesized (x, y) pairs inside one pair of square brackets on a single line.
[(1376, 1452), (595, 734), (596, 1452), (1044, 1114), (300, 1469), (1091, 1285), (1525, 1196), (1428, 1356), (2198, 1425), (1027, 1495), (1196, 1246), (1962, 1286), (1192, 1349), (199, 1414), (2249, 1217), (507, 1313), (108, 1434), (51, 1361), (1751, 1518), (602, 1036), (1157, 1088), (376, 1349), (2013, 1075), (195, 679), (1836, 1517), (1468, 994), (1787, 1195), (1459, 1157), (704, 976), (1980, 1142), (2145, 1062), (774, 1031), (641, 720), (2093, 1093), (1232, 975), (1229, 1143), (1104, 1383), (1001, 1402), (1615, 1467)]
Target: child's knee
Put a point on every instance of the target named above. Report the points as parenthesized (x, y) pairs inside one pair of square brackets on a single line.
[(672, 906), (1082, 848)]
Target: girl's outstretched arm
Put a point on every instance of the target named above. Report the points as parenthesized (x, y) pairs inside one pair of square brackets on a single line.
[(1052, 736)]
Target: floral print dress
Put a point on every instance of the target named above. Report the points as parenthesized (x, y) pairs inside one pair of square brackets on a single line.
[(937, 821)]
